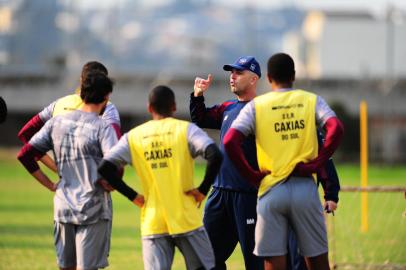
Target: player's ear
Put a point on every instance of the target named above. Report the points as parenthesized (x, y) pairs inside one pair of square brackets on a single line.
[(254, 79), (174, 107), (149, 107)]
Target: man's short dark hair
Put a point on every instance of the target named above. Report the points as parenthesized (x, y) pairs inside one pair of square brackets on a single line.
[(281, 68), (93, 66), (95, 87), (162, 100)]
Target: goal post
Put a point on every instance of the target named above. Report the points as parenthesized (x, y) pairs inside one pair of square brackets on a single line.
[(364, 164)]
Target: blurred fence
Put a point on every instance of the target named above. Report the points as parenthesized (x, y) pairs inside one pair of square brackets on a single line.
[(382, 246)]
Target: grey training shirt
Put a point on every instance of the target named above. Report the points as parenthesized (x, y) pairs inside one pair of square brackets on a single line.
[(78, 140)]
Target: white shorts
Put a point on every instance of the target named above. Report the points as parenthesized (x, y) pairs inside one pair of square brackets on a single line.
[(83, 246), (195, 246), (294, 203)]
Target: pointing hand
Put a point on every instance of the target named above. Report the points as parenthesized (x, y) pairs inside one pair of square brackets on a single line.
[(201, 85)]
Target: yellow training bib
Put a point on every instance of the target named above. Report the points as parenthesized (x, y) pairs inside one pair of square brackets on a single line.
[(285, 133), (67, 104), (161, 157)]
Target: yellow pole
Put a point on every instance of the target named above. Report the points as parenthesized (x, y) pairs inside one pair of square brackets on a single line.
[(364, 164)]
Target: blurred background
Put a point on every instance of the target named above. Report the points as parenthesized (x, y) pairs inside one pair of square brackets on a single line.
[(345, 51)]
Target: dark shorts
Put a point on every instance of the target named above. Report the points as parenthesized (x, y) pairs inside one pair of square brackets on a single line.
[(229, 219)]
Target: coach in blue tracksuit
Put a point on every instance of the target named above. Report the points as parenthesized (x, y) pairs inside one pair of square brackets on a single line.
[(230, 212)]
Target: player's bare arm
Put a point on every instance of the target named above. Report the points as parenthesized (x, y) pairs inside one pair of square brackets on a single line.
[(49, 162), (26, 133), (44, 180), (27, 156), (201, 85)]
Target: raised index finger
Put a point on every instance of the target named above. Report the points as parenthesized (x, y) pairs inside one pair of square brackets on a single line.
[(209, 78)]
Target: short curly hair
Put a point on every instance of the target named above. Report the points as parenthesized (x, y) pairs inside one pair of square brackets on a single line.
[(95, 87), (93, 66)]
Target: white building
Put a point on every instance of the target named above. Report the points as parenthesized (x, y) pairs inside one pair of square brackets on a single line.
[(349, 44)]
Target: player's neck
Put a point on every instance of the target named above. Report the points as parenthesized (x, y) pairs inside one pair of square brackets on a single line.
[(156, 116), (92, 108), (277, 86)]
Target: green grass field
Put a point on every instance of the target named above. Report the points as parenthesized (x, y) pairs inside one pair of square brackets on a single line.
[(26, 225)]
